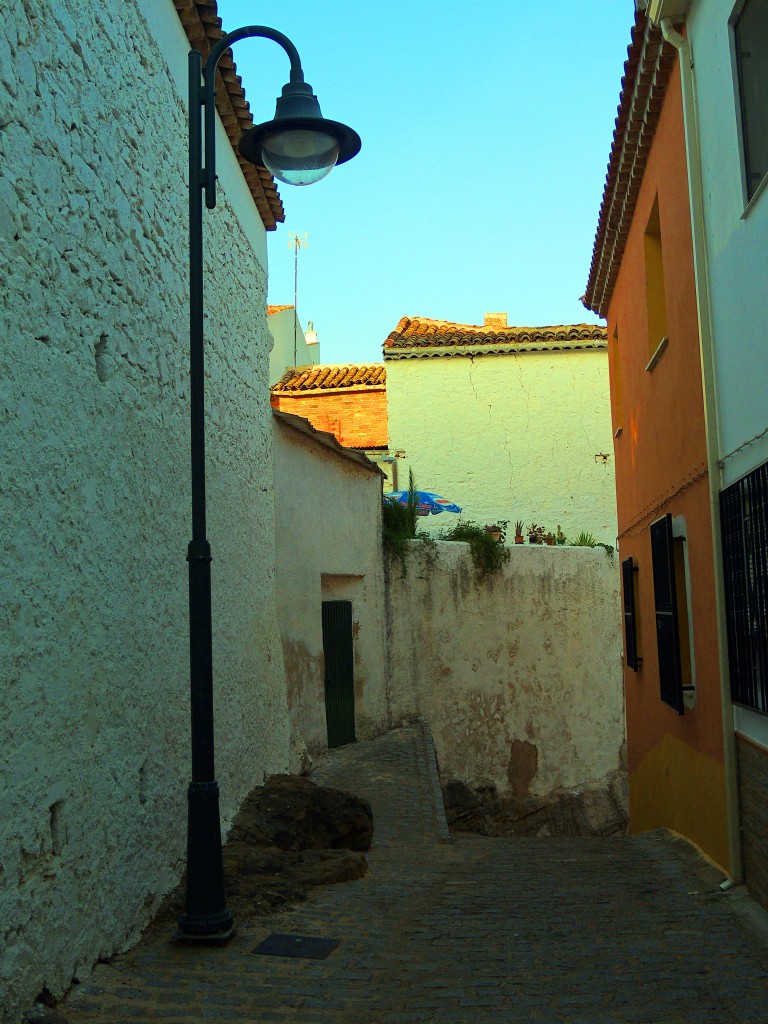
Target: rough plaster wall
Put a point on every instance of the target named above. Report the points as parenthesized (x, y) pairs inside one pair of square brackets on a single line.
[(94, 492), (509, 437), (328, 515), (528, 658), (738, 269)]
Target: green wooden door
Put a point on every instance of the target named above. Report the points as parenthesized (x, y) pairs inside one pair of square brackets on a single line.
[(339, 679)]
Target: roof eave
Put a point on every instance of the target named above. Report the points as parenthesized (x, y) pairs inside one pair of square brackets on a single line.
[(647, 69), (202, 25), (432, 351)]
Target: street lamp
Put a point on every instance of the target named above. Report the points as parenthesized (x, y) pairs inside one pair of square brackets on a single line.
[(298, 146)]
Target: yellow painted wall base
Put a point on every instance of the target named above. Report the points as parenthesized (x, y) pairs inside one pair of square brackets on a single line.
[(679, 788)]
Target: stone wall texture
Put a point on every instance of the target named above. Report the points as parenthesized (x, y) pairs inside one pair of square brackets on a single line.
[(509, 436), (94, 487), (753, 789), (518, 675)]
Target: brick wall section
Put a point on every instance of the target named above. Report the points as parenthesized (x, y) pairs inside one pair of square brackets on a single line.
[(753, 795), (356, 418)]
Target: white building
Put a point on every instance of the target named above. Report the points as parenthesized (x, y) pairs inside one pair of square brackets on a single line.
[(508, 422), (291, 345)]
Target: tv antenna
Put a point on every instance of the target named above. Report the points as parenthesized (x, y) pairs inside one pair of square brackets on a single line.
[(296, 242)]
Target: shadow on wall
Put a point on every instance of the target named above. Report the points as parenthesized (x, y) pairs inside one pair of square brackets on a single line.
[(518, 674)]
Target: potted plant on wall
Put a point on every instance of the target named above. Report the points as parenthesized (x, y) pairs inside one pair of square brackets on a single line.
[(536, 534), (519, 532), (497, 531), (560, 536)]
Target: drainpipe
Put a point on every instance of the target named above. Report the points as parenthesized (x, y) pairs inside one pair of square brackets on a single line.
[(703, 303)]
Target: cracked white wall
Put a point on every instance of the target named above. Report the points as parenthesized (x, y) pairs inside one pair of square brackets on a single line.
[(94, 484), (526, 659), (509, 436)]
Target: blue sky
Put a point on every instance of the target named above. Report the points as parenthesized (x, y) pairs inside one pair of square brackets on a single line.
[(486, 134)]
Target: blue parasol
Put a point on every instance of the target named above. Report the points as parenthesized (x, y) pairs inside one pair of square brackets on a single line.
[(426, 502)]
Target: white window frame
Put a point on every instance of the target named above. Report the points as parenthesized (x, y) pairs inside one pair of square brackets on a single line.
[(749, 200)]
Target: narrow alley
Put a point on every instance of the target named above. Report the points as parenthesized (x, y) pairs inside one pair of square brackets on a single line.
[(462, 929)]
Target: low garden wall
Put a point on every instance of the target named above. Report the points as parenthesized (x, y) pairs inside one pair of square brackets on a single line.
[(518, 673)]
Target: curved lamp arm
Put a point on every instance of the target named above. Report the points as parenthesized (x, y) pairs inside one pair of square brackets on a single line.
[(209, 91)]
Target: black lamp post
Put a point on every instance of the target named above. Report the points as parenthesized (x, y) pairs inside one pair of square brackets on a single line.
[(299, 147)]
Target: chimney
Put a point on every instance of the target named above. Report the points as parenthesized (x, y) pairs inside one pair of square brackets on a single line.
[(497, 320), (310, 335), (313, 345)]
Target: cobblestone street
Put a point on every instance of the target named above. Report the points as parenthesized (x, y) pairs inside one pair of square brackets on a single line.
[(462, 929)]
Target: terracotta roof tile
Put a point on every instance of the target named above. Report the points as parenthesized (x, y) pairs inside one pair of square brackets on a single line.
[(646, 75), (416, 336), (277, 309), (330, 378), (202, 24)]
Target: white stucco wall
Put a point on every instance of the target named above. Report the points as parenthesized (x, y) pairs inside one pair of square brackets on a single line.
[(95, 496), (328, 516), (508, 437), (282, 325), (736, 245), (529, 657)]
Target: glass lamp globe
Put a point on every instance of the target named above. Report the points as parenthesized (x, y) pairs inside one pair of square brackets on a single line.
[(299, 156), (299, 146)]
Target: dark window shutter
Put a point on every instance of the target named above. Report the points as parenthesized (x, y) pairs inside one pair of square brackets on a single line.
[(744, 522), (630, 618), (667, 634)]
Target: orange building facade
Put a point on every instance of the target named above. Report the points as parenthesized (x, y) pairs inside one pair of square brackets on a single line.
[(642, 280), (349, 402)]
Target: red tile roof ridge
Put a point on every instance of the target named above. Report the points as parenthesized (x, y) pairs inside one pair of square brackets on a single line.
[(278, 309), (423, 332), (332, 376), (495, 329)]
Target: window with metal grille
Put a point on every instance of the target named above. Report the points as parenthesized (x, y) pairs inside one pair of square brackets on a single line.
[(667, 618), (750, 29), (744, 519), (628, 571)]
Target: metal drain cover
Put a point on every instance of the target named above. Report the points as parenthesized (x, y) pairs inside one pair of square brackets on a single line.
[(303, 946)]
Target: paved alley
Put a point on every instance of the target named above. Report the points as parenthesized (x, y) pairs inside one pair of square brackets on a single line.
[(461, 929)]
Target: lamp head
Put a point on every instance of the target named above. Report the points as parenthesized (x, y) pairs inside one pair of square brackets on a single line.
[(299, 146)]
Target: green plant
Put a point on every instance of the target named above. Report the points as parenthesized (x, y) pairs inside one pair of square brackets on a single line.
[(500, 527), (587, 540), (518, 527), (488, 555), (536, 534), (559, 536), (398, 523), (584, 540)]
